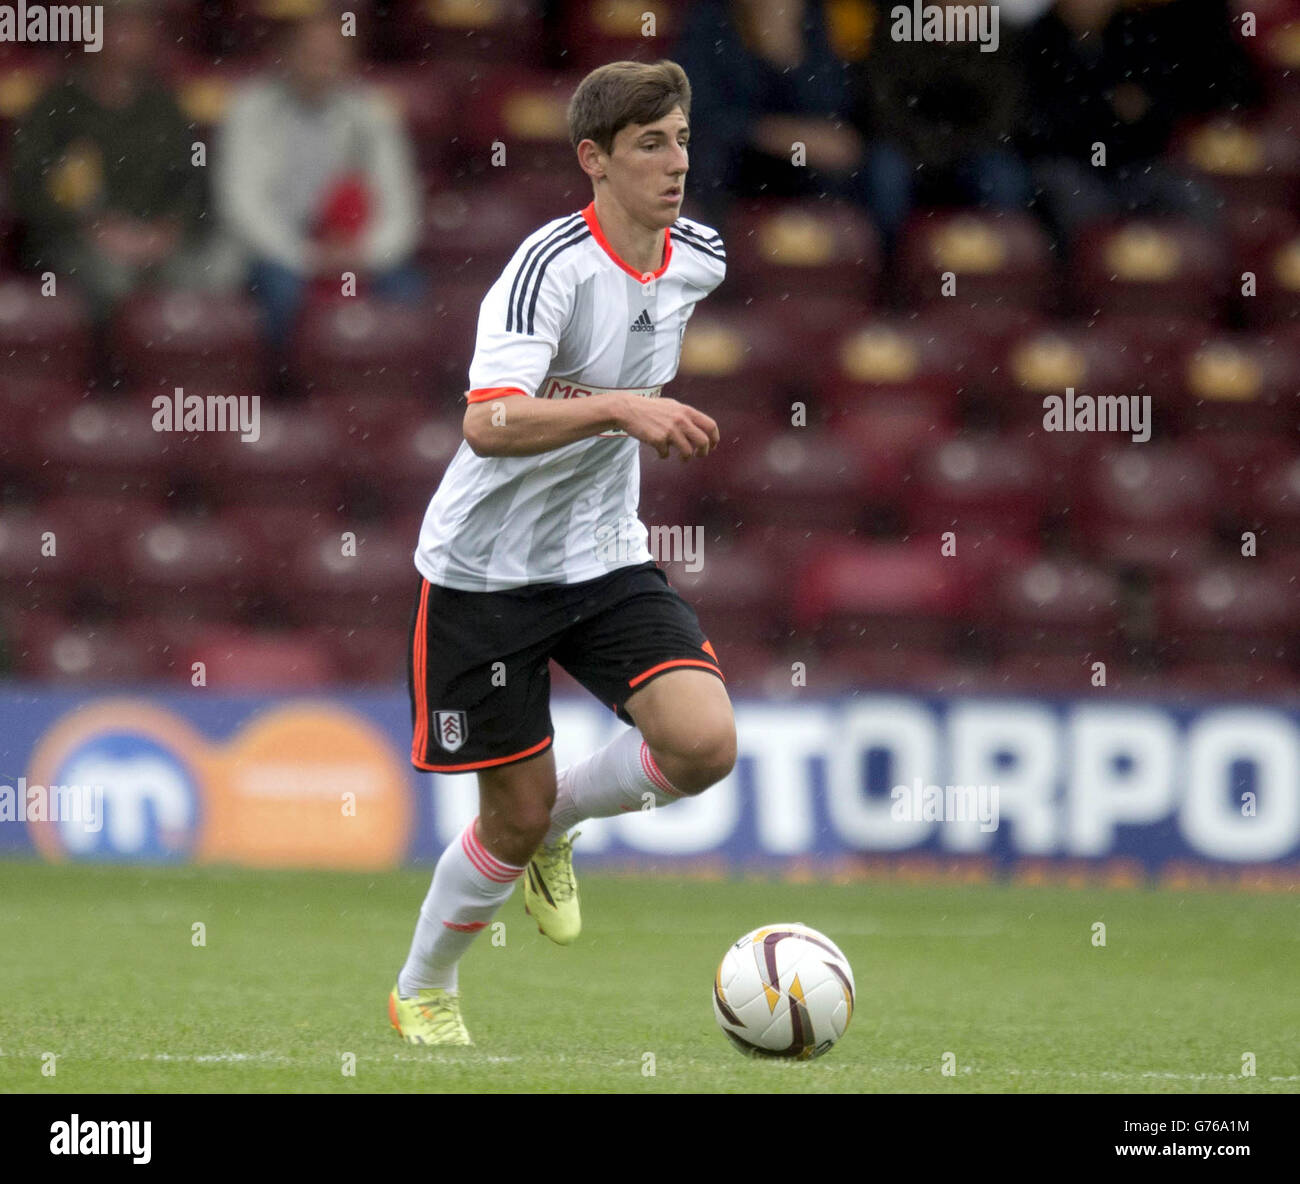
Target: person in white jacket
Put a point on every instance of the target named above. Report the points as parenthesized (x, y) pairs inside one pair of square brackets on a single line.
[(315, 180)]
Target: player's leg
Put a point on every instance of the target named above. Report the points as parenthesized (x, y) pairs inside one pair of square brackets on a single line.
[(503, 735), (685, 718)]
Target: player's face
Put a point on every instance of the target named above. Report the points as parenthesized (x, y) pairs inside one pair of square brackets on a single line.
[(647, 169)]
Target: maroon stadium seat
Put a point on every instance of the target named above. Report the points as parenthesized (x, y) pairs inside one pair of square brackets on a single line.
[(908, 359), (738, 593), (1253, 676), (32, 578), (1238, 611), (736, 364), (61, 650), (995, 259), (190, 567), (1276, 266), (373, 587), (977, 484), (1056, 606), (809, 477), (1151, 266), (104, 447), (361, 346), (1148, 505), (890, 431), (505, 30), (1252, 163), (801, 248), (43, 336), (523, 110), (1240, 383), (1276, 504), (372, 655), (882, 593), (597, 31), (293, 460), (470, 233), (208, 344), (245, 660), (1241, 461)]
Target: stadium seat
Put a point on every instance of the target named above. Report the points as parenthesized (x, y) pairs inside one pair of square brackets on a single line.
[(1251, 163), (189, 567), (889, 431), (367, 656), (208, 344), (1274, 508), (1255, 676), (738, 592), (467, 32), (1055, 605), (249, 660), (1151, 266), (470, 233), (801, 248), (363, 346), (977, 484), (291, 461), (334, 581), (1241, 460), (45, 337), (994, 259), (598, 31), (793, 477), (1275, 264), (1098, 358), (104, 447), (1240, 383), (882, 593), (1148, 506), (521, 111), (59, 650), (44, 552), (1030, 672), (735, 364), (1238, 611)]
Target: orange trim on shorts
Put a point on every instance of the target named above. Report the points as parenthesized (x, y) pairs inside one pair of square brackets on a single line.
[(484, 393), (419, 669), (496, 760), (709, 666)]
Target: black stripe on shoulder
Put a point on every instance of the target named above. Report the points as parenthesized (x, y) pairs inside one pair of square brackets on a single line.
[(577, 236), (688, 231), (696, 245), (526, 263)]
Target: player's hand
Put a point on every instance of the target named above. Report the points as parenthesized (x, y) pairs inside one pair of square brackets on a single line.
[(666, 424)]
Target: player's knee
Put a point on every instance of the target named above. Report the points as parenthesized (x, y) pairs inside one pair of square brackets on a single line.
[(517, 834), (705, 760)]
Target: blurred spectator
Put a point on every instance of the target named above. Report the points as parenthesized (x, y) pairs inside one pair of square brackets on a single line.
[(102, 177), (941, 115), (763, 78), (315, 178), (1099, 74)]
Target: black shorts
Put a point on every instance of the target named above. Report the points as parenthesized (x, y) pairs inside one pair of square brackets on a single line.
[(478, 662)]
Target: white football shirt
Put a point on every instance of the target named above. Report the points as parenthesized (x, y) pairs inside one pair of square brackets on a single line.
[(566, 316)]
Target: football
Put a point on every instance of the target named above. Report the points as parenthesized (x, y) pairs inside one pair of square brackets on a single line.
[(783, 991)]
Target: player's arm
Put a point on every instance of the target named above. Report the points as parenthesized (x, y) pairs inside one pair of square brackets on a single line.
[(511, 424)]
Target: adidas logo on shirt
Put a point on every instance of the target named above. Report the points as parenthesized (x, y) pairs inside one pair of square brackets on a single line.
[(643, 323)]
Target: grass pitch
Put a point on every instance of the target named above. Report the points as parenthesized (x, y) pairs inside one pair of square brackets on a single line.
[(98, 965)]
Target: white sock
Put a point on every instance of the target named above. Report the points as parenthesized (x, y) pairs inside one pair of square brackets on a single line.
[(610, 782), (469, 885)]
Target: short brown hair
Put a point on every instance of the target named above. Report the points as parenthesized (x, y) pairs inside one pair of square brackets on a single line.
[(621, 93)]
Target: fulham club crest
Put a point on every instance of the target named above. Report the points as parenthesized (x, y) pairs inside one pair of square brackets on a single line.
[(451, 728)]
